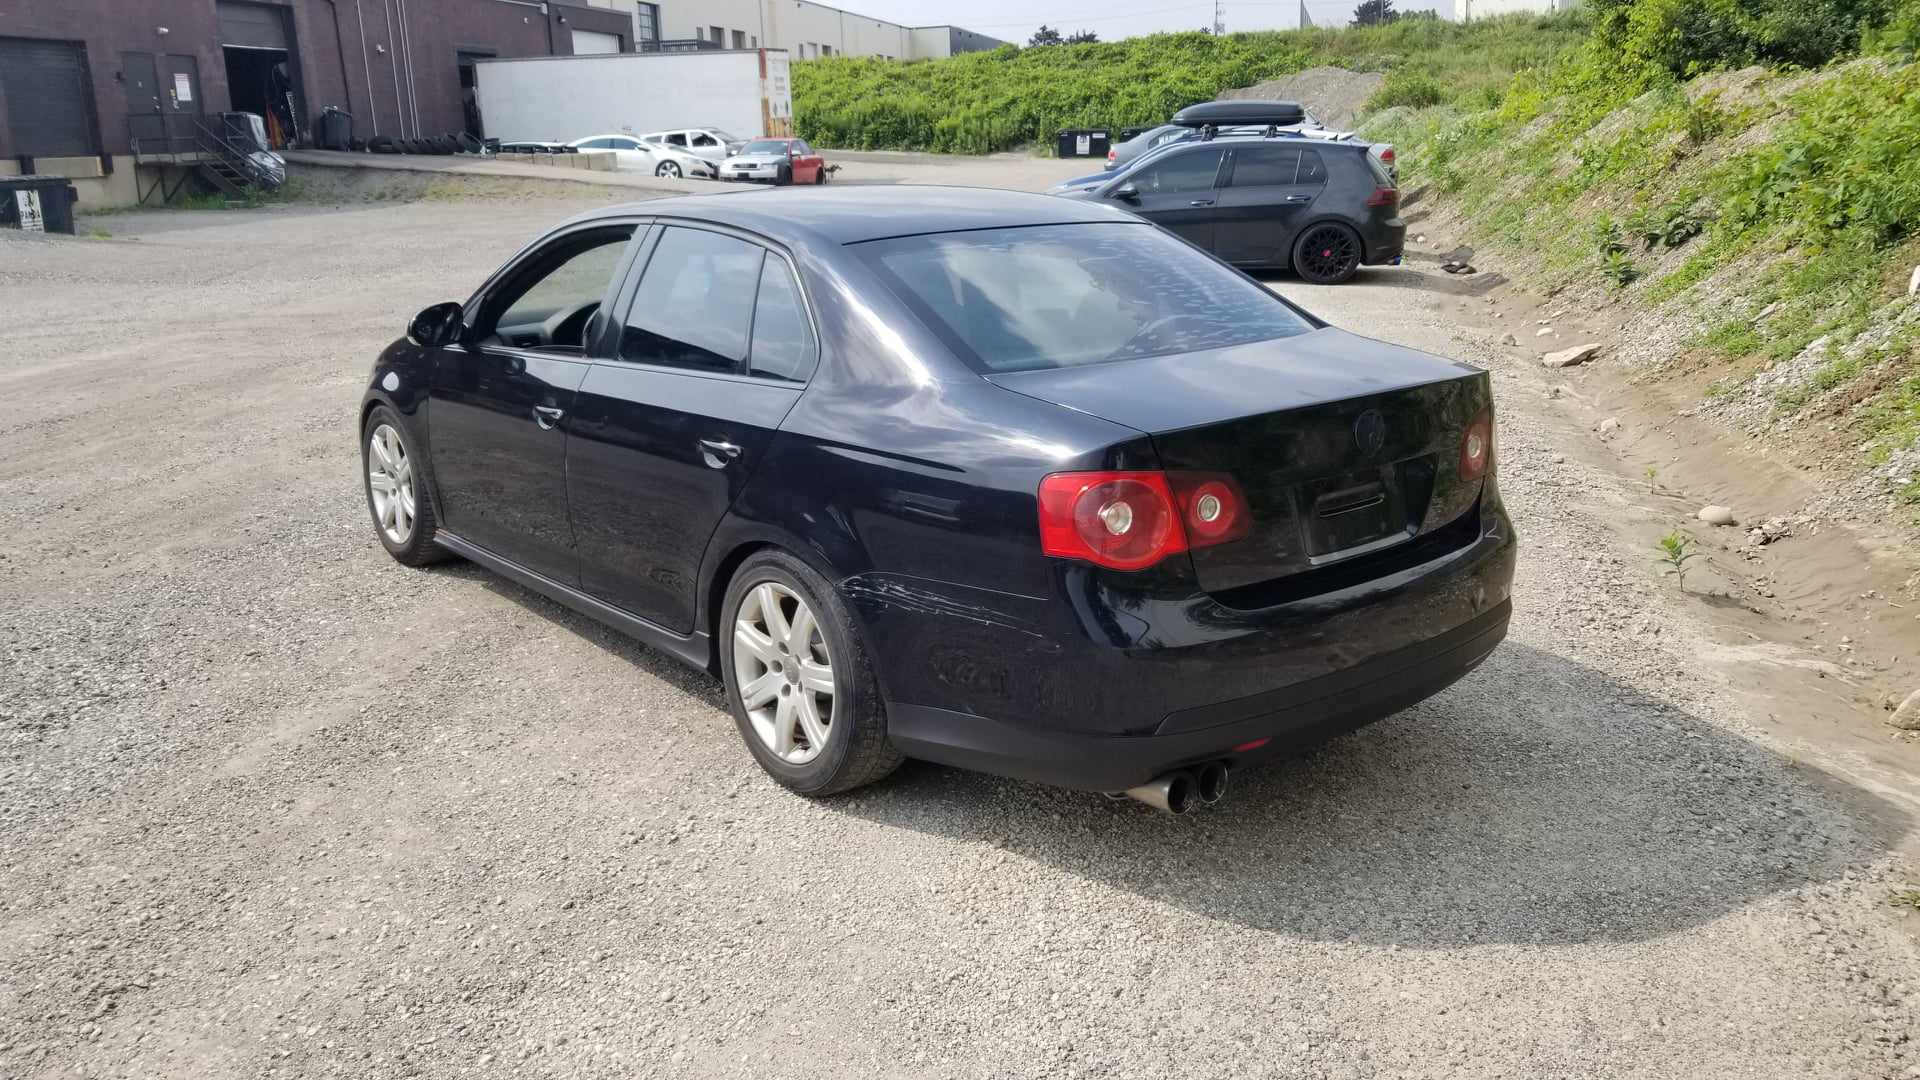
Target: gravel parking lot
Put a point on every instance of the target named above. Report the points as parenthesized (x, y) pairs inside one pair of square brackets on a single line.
[(274, 805)]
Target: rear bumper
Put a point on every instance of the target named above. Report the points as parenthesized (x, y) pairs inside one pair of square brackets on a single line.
[(1386, 241), (1100, 688), (1291, 719)]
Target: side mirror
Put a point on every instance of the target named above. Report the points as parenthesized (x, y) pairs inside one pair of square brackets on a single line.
[(1127, 192), (438, 325)]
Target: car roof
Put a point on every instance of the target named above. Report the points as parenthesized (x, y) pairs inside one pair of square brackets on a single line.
[(852, 215)]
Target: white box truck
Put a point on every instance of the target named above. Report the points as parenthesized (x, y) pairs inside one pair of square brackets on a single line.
[(746, 92)]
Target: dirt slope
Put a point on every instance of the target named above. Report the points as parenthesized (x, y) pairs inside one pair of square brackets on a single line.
[(1333, 94)]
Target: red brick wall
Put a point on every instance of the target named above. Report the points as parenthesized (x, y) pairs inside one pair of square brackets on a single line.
[(329, 39)]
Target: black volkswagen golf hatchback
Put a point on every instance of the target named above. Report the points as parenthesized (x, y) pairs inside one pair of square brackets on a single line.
[(998, 480)]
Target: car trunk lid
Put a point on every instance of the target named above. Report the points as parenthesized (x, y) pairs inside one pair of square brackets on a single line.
[(1342, 446)]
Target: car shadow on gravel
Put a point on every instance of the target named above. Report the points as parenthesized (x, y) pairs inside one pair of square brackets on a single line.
[(1538, 801)]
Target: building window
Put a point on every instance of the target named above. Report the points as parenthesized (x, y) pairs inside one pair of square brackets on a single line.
[(739, 39), (756, 41), (826, 50), (648, 24), (717, 36)]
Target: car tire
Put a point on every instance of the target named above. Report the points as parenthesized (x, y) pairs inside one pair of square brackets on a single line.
[(1327, 253), (668, 169), (854, 749), (784, 176), (413, 544), (820, 175)]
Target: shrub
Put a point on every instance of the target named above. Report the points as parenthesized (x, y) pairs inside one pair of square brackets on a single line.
[(1406, 87), (1685, 37)]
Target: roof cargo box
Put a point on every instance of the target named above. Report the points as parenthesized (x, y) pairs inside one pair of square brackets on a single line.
[(1241, 113)]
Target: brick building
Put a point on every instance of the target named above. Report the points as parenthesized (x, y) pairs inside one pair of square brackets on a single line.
[(81, 81)]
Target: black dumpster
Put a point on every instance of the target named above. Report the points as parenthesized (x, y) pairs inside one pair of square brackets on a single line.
[(335, 129), (37, 203), (1085, 142)]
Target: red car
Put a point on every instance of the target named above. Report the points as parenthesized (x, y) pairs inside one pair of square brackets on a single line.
[(782, 161)]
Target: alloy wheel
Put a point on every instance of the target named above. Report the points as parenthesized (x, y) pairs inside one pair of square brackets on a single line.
[(1328, 252), (390, 480), (668, 169), (783, 672)]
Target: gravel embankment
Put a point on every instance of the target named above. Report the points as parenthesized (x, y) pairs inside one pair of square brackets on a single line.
[(272, 804)]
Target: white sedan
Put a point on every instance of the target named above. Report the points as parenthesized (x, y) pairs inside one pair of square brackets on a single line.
[(633, 155)]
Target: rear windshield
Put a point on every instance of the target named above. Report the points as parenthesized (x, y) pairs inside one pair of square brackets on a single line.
[(1055, 296), (764, 146)]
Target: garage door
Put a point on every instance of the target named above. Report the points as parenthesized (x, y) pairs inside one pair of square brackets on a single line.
[(254, 26), (590, 41), (49, 98)]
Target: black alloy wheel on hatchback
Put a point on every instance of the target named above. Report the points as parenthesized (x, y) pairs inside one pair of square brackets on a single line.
[(1003, 481)]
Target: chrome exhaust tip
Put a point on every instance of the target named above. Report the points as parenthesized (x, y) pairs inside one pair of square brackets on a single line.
[(1174, 792), (1210, 782)]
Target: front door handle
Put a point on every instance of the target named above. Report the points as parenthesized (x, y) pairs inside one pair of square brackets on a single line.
[(1297, 199), (547, 416), (718, 453), (1201, 202)]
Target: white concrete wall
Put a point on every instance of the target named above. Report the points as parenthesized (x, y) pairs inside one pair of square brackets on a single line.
[(1486, 9), (559, 100), (931, 43), (803, 28)]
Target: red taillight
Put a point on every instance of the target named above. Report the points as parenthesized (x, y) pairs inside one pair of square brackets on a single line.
[(1111, 155), (1211, 507), (1387, 155), (1131, 520), (1384, 196), (1476, 446)]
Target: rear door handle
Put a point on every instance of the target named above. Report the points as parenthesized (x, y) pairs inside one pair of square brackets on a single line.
[(1201, 202), (547, 416), (1296, 199), (718, 452)]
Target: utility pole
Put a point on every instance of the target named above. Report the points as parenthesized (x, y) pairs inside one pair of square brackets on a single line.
[(1219, 17)]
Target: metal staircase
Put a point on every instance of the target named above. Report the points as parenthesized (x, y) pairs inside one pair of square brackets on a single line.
[(192, 147)]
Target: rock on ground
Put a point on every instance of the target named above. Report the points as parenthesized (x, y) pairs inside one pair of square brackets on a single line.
[(1714, 514), (1579, 354), (1907, 716)]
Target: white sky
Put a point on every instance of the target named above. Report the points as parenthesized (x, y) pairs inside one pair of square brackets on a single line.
[(1016, 20)]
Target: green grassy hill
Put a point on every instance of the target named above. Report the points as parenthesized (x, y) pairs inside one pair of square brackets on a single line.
[(1747, 195), (1010, 97)]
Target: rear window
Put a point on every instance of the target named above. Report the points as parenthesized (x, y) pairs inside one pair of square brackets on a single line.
[(1055, 296)]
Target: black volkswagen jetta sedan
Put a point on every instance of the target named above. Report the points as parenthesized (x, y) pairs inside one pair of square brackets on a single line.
[(992, 479)]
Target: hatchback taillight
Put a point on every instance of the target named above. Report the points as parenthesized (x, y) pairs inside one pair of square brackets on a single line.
[(1386, 155), (1384, 196), (1476, 446), (1131, 520)]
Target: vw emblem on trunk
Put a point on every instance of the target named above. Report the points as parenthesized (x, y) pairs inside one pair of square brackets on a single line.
[(1370, 432)]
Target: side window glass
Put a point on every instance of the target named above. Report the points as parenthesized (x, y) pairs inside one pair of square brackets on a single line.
[(1190, 171), (1312, 169), (597, 144), (626, 144), (801, 149), (704, 140), (568, 279), (677, 139), (1265, 166), (782, 338), (694, 302)]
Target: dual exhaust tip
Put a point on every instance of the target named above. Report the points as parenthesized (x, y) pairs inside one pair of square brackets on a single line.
[(1183, 789)]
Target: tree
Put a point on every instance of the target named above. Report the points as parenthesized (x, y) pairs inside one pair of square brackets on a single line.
[(1084, 37), (1046, 35), (1374, 13)]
